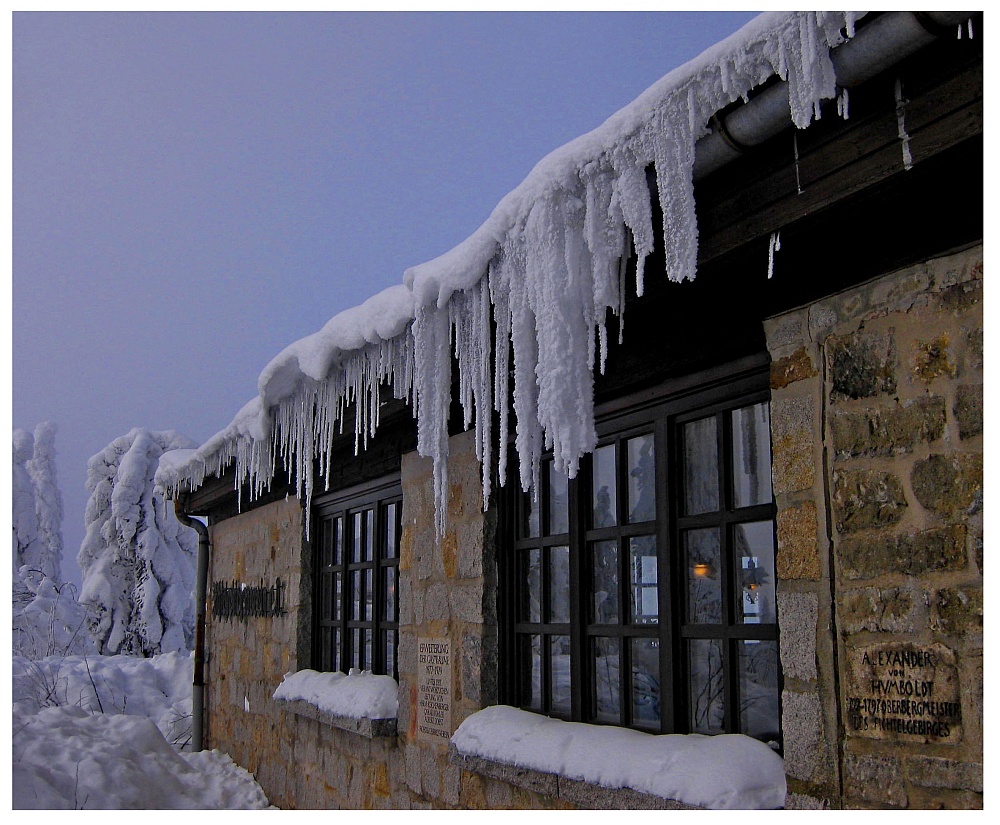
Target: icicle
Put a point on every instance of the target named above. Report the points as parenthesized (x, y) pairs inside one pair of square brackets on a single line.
[(844, 104), (774, 245), (901, 124)]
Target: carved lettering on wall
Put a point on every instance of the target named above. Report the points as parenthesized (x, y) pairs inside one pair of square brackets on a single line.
[(905, 692), (433, 709)]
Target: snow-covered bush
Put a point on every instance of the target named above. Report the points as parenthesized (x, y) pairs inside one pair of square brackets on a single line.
[(138, 561)]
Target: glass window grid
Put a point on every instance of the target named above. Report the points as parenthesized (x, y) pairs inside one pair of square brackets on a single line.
[(361, 628), (673, 632)]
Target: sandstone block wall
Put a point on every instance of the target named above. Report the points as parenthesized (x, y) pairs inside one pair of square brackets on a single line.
[(877, 430)]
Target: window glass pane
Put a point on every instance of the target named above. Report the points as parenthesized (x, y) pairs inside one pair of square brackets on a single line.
[(642, 563), (355, 647), (391, 526), (338, 541), (641, 479), (559, 584), (529, 654), (389, 651), (559, 674), (369, 595), (326, 648), (605, 487), (758, 671), (558, 521), (531, 508), (369, 534), (706, 686), (338, 597), (704, 576), (605, 582), (389, 594), (367, 661), (355, 594), (646, 682), (328, 543), (529, 586), (607, 690), (334, 649), (701, 466), (326, 596), (357, 538), (754, 545), (751, 456)]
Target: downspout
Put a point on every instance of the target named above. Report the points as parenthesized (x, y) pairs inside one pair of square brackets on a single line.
[(885, 41), (200, 596)]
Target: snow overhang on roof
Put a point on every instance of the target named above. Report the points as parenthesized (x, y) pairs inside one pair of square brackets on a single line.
[(552, 250)]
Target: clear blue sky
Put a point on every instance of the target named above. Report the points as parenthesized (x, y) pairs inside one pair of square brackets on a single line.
[(193, 192)]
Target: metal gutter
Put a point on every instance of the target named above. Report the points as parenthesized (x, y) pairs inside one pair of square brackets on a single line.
[(878, 46), (201, 595)]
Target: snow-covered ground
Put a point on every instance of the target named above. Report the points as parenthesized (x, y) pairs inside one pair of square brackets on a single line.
[(92, 733)]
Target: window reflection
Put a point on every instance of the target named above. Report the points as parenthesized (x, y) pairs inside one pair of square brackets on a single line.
[(559, 585), (605, 582), (558, 521), (646, 682), (704, 574), (641, 479), (751, 455), (559, 662), (758, 680), (642, 562), (604, 487), (701, 466), (607, 690), (707, 686), (754, 543)]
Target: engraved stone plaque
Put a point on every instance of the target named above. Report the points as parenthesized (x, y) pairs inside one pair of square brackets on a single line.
[(904, 692), (433, 709)]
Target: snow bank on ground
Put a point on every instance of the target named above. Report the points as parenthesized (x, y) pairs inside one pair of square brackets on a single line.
[(725, 772), (68, 754), (67, 758), (356, 695), (158, 688)]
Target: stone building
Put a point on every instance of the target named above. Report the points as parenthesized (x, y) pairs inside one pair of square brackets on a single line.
[(775, 528)]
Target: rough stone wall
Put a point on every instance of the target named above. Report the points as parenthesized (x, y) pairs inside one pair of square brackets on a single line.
[(877, 430), (447, 590)]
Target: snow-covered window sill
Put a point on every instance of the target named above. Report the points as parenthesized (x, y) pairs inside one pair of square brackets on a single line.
[(594, 766), (359, 702), (370, 728)]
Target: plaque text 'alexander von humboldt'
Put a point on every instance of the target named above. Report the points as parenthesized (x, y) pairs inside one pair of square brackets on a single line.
[(434, 689), (904, 692)]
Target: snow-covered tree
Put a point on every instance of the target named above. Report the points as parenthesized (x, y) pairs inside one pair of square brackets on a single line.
[(48, 499), (47, 620), (138, 561)]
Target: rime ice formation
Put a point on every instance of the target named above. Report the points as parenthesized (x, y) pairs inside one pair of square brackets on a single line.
[(547, 267), (138, 561)]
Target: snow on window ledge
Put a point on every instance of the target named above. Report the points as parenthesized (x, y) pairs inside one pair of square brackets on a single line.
[(607, 767), (359, 702)]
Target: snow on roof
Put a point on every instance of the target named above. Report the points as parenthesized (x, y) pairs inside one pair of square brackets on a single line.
[(727, 772), (547, 267)]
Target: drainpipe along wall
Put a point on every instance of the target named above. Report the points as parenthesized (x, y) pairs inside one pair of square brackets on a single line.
[(201, 590)]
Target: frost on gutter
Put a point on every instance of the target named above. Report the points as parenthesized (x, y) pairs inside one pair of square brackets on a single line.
[(547, 265)]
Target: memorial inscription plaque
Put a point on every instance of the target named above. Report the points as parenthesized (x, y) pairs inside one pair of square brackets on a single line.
[(434, 689), (904, 692)]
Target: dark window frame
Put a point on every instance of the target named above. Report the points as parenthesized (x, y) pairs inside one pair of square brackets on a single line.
[(340, 626), (718, 392)]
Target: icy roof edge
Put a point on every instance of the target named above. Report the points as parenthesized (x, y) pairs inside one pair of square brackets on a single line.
[(605, 169)]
